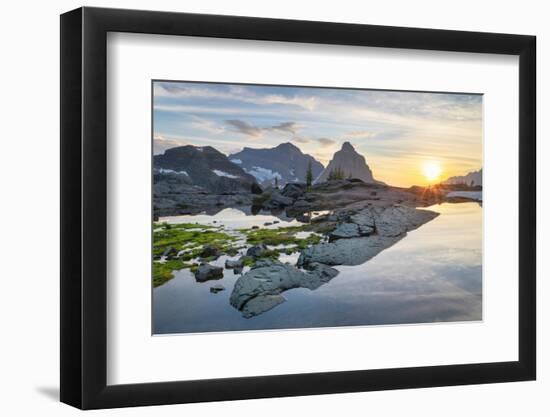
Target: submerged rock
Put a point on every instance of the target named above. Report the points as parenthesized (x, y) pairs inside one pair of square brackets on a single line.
[(206, 272), (259, 289), (261, 304), (217, 288)]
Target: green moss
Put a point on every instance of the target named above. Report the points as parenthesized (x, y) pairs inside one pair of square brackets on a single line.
[(163, 272), (281, 236), (187, 236)]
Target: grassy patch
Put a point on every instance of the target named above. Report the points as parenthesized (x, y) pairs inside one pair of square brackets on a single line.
[(163, 272), (189, 237), (281, 236)]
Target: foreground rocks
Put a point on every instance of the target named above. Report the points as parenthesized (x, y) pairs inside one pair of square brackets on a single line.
[(260, 289), (384, 225), (349, 230), (207, 272)]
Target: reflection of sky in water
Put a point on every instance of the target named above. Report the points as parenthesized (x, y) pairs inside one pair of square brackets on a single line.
[(433, 274), (234, 219)]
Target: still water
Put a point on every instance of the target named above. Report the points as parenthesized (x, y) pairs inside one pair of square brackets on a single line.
[(434, 274)]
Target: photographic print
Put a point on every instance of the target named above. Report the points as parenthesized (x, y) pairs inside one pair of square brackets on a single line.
[(285, 207)]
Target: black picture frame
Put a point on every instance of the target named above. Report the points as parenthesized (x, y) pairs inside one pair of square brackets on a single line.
[(84, 207)]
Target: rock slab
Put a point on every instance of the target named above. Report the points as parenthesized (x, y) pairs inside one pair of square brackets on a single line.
[(260, 289)]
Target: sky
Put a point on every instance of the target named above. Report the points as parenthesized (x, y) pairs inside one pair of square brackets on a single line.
[(398, 133)]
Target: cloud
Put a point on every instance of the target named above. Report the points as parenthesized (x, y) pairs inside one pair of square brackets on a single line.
[(289, 127), (325, 142), (162, 143), (363, 134), (241, 93), (245, 128), (300, 139), (257, 131)]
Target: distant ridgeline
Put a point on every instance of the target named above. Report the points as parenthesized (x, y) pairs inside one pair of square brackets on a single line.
[(472, 179), (205, 167), (283, 164), (243, 171)]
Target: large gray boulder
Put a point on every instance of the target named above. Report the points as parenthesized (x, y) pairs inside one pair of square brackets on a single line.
[(260, 289)]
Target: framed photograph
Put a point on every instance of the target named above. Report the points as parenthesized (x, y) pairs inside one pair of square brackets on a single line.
[(257, 208)]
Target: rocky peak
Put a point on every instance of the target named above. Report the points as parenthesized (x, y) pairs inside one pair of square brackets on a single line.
[(347, 163), (347, 147)]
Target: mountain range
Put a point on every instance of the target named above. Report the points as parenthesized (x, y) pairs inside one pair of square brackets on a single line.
[(205, 167), (472, 178), (286, 162)]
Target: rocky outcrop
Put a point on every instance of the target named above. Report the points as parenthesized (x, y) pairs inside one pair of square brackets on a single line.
[(388, 224), (260, 289), (286, 162), (349, 230), (347, 163)]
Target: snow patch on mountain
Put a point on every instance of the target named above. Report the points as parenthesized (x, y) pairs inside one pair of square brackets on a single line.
[(171, 171), (263, 174), (224, 174), (236, 161)]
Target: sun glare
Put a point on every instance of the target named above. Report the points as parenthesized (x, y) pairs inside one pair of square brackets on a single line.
[(431, 170)]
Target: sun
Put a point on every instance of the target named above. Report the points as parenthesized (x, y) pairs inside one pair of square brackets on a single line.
[(431, 170)]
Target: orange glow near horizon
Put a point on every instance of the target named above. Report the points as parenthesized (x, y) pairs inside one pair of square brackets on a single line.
[(432, 171)]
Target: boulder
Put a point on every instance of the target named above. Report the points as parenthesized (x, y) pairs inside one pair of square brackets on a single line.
[(259, 289), (207, 272), (294, 190), (256, 251), (210, 251), (277, 200), (232, 264)]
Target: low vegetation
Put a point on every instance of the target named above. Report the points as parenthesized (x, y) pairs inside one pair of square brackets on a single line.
[(179, 246)]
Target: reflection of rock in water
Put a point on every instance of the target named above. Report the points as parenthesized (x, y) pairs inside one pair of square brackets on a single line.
[(390, 224), (259, 290), (359, 236)]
